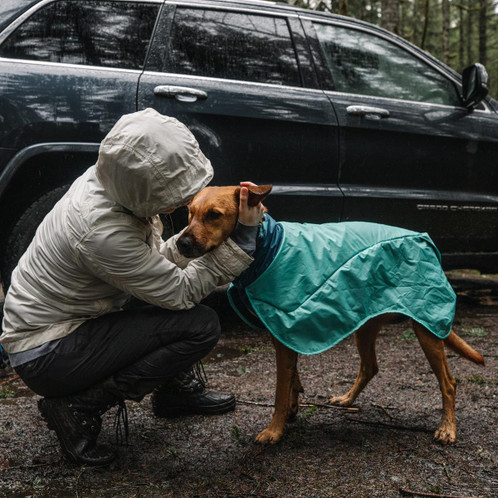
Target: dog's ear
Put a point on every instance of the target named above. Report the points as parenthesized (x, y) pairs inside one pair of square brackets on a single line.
[(258, 194)]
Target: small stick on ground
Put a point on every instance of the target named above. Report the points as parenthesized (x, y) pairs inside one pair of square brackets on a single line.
[(11, 379), (25, 466), (304, 405), (321, 405), (384, 409)]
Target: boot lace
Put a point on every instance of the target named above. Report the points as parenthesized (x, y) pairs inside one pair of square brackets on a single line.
[(121, 423), (200, 373)]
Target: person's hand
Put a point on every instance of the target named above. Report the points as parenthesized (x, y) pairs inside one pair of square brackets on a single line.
[(249, 215)]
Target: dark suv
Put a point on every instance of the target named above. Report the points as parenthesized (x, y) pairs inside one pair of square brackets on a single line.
[(348, 121)]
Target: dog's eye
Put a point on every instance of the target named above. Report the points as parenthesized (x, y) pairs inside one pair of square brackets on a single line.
[(213, 215)]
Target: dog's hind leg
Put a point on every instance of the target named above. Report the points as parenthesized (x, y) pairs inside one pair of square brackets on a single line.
[(365, 338), (435, 354), (285, 395)]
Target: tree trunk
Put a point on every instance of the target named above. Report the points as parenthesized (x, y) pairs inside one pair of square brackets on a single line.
[(402, 19), (426, 23), (482, 31), (343, 7), (470, 55), (446, 30), (416, 18), (461, 34), (390, 15)]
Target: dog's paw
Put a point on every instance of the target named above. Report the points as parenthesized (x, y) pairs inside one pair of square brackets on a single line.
[(268, 436), (344, 400), (446, 434)]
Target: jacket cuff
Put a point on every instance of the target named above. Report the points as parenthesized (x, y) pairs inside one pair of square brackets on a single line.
[(245, 237), (231, 259)]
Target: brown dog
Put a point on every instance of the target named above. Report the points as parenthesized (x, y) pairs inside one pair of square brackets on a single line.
[(212, 217)]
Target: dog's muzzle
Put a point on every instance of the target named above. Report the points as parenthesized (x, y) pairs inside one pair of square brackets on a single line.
[(189, 248)]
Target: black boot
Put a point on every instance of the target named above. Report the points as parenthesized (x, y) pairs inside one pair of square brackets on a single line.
[(77, 421), (186, 394)]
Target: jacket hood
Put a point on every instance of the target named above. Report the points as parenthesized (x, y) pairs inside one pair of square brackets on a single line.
[(150, 163)]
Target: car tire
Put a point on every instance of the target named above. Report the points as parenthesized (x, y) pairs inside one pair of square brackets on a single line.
[(24, 230)]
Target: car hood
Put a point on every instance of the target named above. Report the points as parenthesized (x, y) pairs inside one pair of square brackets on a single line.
[(150, 163)]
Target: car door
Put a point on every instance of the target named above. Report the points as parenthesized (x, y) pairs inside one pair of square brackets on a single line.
[(410, 154), (242, 81)]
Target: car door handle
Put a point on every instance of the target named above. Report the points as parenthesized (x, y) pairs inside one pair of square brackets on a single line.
[(361, 110), (182, 93)]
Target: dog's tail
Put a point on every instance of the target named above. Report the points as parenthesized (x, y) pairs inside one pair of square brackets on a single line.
[(458, 345)]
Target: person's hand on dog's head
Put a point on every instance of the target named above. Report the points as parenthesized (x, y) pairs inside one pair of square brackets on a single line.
[(249, 215)]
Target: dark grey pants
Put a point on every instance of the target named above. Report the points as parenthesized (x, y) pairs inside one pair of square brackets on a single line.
[(139, 348)]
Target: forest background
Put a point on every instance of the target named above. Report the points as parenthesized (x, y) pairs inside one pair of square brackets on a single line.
[(457, 32)]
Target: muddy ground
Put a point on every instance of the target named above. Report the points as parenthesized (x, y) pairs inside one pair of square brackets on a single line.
[(383, 448)]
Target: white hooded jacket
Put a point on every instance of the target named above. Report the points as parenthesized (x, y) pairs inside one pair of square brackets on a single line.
[(101, 242)]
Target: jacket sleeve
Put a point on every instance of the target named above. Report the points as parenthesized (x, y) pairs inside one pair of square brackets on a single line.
[(120, 256), (169, 250)]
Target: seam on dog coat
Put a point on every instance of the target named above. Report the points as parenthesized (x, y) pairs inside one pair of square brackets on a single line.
[(325, 281)]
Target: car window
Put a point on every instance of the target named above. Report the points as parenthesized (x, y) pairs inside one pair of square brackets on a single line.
[(365, 64), (232, 45), (111, 34)]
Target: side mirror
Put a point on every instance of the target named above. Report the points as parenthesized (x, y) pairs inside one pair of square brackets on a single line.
[(475, 85)]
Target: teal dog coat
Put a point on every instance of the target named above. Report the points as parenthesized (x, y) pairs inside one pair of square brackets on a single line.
[(313, 285)]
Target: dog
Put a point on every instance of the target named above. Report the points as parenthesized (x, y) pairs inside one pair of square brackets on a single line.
[(388, 256)]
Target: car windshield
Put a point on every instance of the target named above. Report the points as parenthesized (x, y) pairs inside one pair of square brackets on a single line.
[(10, 9)]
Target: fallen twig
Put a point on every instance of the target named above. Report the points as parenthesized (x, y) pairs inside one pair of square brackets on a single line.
[(321, 405), (80, 473), (459, 356), (445, 467), (384, 409), (303, 405), (10, 379), (420, 493), (25, 466)]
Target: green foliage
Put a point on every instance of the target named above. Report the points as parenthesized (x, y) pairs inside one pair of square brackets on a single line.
[(6, 392), (474, 331), (241, 370), (306, 414), (408, 335), (477, 379), (247, 349), (480, 380), (237, 434), (171, 453)]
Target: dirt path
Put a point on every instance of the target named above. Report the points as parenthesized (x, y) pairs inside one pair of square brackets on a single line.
[(383, 449)]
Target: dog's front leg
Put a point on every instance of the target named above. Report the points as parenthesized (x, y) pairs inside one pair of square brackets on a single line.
[(297, 388), (285, 396)]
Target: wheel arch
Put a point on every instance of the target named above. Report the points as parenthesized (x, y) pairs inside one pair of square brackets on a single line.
[(34, 171)]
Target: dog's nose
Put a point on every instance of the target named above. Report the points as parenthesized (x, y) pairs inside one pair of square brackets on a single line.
[(185, 245)]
